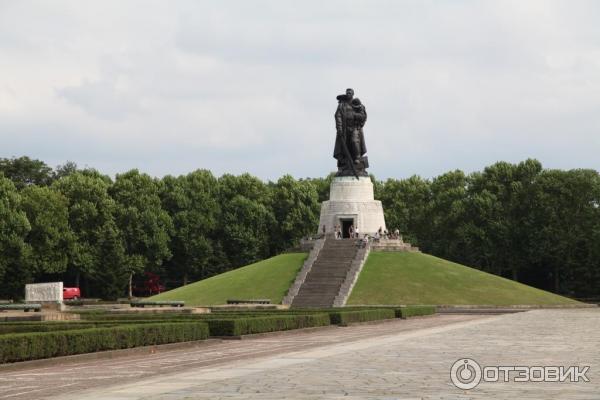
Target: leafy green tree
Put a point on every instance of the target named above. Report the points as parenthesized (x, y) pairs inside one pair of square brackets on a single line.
[(91, 219), (475, 232), (296, 209), (406, 205), (111, 278), (447, 213), (508, 223), (568, 222), (507, 191), (50, 236), (24, 171), (244, 185), (246, 220), (14, 251), (145, 226), (322, 185), (65, 169), (191, 201), (246, 225)]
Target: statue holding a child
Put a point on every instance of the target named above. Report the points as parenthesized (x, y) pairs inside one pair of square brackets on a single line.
[(350, 148)]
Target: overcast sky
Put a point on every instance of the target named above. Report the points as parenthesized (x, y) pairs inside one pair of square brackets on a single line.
[(250, 86)]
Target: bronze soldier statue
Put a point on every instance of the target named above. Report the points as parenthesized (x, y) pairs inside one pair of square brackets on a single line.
[(350, 148)]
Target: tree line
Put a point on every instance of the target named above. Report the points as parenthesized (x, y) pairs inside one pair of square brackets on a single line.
[(538, 226)]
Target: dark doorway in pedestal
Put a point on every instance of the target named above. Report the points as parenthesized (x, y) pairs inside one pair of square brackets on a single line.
[(346, 223)]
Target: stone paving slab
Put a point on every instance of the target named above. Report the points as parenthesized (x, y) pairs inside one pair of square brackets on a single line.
[(395, 360), (72, 376), (415, 365)]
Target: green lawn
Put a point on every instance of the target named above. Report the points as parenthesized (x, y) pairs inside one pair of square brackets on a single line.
[(267, 279), (416, 278)]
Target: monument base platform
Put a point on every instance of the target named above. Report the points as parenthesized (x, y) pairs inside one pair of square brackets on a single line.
[(351, 202)]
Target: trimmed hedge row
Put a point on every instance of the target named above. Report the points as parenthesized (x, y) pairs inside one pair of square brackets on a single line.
[(109, 332), (246, 326), (337, 315), (32, 346), (183, 317), (347, 317), (8, 327), (99, 316), (142, 316), (414, 311)]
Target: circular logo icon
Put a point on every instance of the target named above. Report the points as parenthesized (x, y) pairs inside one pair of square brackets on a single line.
[(465, 373)]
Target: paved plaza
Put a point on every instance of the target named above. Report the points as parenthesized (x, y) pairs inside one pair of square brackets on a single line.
[(401, 359)]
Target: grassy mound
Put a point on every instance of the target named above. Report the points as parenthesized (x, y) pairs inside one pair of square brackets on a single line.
[(416, 278), (267, 279)]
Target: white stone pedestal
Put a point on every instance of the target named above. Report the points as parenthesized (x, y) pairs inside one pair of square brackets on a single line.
[(351, 200), (44, 292)]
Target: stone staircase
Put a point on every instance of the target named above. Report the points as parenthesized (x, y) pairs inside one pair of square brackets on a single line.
[(331, 275), (352, 276), (317, 245)]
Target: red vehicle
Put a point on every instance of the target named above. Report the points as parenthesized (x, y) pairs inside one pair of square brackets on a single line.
[(71, 293), (150, 286)]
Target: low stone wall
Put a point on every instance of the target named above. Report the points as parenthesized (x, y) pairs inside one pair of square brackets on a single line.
[(392, 245), (20, 316)]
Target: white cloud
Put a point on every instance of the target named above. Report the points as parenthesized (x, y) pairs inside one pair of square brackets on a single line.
[(250, 86)]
